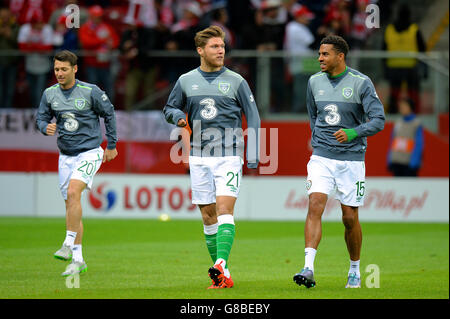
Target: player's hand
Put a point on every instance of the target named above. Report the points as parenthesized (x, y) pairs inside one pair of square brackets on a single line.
[(51, 129), (181, 123), (341, 136), (109, 155)]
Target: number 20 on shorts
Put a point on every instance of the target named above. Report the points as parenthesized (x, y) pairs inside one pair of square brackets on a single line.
[(87, 167)]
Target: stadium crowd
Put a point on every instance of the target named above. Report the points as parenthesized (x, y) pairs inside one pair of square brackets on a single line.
[(134, 28)]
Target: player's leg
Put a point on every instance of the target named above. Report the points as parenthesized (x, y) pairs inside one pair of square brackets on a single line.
[(353, 233), (85, 167), (227, 173), (313, 235), (320, 182), (65, 167), (73, 208), (74, 224), (209, 218), (353, 240), (350, 192), (225, 237), (203, 195), (313, 223)]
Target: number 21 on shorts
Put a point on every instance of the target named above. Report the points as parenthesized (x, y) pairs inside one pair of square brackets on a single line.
[(233, 180)]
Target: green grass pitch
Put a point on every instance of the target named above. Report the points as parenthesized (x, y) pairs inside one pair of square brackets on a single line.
[(168, 260)]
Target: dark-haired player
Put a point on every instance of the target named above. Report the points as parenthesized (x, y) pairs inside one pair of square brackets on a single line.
[(77, 107), (344, 109)]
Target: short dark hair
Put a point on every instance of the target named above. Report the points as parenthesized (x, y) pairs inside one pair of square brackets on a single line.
[(339, 44), (66, 56)]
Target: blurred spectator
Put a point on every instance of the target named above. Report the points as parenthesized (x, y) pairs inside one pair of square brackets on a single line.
[(340, 9), (337, 21), (61, 11), (241, 16), (219, 17), (185, 29), (279, 10), (136, 43), (359, 32), (407, 142), (182, 34), (252, 36), (65, 38), (253, 33), (297, 41), (149, 12), (164, 13), (8, 64), (99, 37), (403, 36), (273, 37), (162, 35), (36, 39), (25, 10)]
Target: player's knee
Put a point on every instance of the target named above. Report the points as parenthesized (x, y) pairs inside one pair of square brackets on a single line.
[(73, 194), (349, 220), (209, 219), (224, 211), (316, 207), (208, 213)]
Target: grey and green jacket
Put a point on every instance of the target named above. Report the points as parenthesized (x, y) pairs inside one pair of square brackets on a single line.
[(347, 101), (214, 103), (77, 112)]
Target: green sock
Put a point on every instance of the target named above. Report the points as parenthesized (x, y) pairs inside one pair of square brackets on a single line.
[(211, 243), (225, 238)]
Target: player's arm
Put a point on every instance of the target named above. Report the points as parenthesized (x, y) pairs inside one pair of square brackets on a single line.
[(173, 110), (105, 109), (44, 116), (375, 115), (248, 104), (311, 107)]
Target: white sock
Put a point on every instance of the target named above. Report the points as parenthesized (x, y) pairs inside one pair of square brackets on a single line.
[(225, 219), (354, 267), (310, 254), (210, 229), (77, 253), (222, 262), (70, 238)]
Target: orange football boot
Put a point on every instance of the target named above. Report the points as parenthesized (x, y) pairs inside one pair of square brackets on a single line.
[(216, 275)]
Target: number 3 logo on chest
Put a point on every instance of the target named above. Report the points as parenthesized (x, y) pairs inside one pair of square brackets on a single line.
[(333, 117), (209, 110)]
